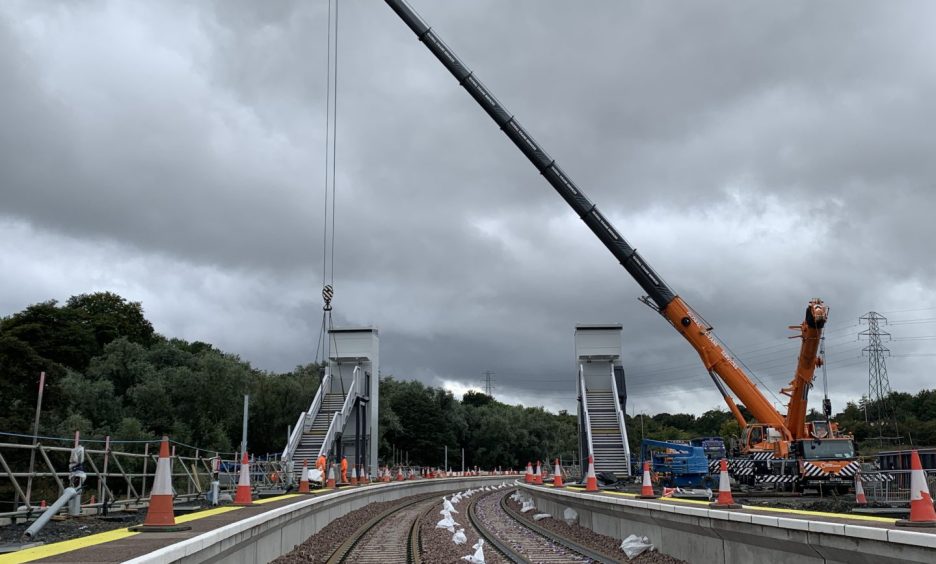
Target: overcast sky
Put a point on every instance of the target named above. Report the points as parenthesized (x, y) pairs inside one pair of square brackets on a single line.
[(757, 154)]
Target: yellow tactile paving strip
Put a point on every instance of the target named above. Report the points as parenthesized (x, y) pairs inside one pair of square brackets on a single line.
[(54, 549), (57, 548), (802, 512)]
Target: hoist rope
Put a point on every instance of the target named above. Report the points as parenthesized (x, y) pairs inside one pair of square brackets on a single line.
[(331, 131)]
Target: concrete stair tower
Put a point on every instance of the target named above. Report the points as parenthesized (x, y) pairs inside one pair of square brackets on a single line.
[(342, 419), (601, 398)]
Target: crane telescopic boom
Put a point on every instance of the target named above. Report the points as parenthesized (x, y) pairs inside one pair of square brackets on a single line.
[(666, 302)]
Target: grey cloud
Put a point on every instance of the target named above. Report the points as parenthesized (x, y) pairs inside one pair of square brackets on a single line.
[(758, 155)]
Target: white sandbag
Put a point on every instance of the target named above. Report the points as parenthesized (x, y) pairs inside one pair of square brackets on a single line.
[(478, 556), (634, 546), (447, 523), (541, 516), (527, 506), (570, 516), (447, 506), (459, 537), (315, 475)]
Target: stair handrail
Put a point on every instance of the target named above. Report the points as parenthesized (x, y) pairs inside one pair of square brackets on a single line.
[(306, 417), (620, 419), (330, 435), (293, 443), (338, 420), (588, 435)]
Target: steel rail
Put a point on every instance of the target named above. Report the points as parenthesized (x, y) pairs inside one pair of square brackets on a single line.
[(344, 549), (555, 537)]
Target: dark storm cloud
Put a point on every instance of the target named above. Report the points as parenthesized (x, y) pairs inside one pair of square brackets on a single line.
[(757, 155)]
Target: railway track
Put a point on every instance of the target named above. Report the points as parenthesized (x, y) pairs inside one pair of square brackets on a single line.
[(520, 540), (391, 536)]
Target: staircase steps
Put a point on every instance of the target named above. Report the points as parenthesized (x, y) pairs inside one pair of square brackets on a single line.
[(607, 445)]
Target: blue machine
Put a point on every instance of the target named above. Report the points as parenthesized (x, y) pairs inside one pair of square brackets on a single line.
[(714, 447), (679, 465)]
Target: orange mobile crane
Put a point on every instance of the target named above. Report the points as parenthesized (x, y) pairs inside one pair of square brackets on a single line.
[(785, 438)]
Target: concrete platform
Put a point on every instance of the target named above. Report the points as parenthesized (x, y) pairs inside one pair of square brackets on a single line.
[(273, 526), (690, 530), (686, 529)]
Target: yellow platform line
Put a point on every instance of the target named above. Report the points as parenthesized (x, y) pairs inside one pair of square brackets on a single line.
[(277, 498), (768, 509), (54, 549), (62, 547), (205, 513)]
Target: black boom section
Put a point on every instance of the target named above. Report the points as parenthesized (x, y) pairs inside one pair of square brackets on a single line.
[(651, 283)]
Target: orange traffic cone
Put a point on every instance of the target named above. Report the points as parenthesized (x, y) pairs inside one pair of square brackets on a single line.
[(42, 504), (860, 498), (362, 476), (725, 501), (591, 481), (557, 476), (528, 478), (399, 475), (159, 516), (304, 480), (330, 483), (538, 476), (243, 495), (646, 488), (922, 513)]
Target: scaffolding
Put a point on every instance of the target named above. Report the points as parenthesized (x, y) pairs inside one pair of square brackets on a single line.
[(119, 474)]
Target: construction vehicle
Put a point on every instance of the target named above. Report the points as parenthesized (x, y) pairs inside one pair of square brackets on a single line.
[(782, 438), (677, 465), (713, 447)]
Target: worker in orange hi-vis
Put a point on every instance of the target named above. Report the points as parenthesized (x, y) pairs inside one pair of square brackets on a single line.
[(320, 464), (344, 470)]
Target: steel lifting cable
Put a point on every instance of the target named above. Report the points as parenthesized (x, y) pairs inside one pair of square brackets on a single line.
[(331, 129)]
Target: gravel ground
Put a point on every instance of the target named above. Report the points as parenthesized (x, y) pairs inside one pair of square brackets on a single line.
[(437, 545), (73, 528), (599, 543), (322, 544)]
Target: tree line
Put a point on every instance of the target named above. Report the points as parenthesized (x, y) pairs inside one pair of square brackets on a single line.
[(110, 373)]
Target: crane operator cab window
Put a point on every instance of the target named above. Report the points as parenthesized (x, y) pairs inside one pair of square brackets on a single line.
[(829, 449), (755, 435)]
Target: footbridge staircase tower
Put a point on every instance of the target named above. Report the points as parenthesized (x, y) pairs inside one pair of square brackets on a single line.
[(602, 396), (342, 420)]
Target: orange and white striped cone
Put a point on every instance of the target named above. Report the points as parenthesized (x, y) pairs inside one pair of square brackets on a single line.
[(860, 498), (591, 481), (528, 478), (304, 480), (538, 475), (646, 487), (557, 476), (725, 501), (159, 516), (922, 513), (363, 477), (243, 495), (42, 504), (400, 477), (354, 481), (330, 482)]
